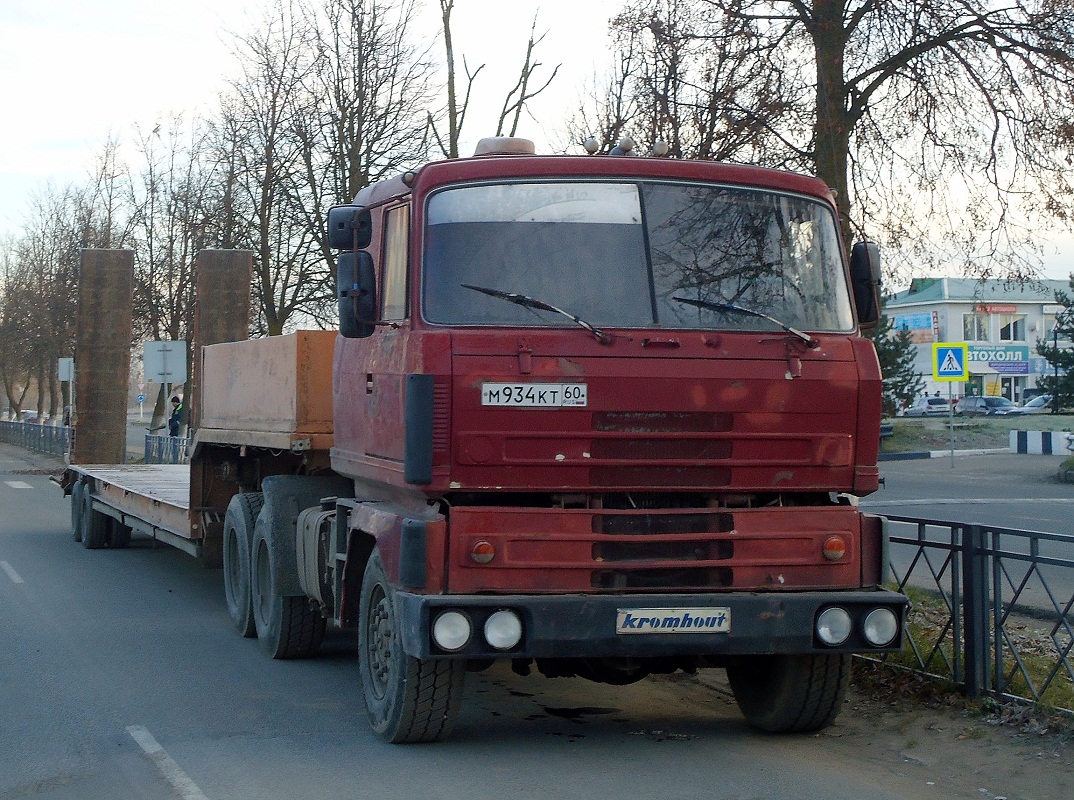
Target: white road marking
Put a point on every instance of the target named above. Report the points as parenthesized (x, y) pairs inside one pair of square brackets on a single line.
[(171, 771), (964, 501), (11, 573), (18, 484)]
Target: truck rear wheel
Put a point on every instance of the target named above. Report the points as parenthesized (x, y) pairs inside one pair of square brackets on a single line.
[(407, 699), (287, 627), (76, 510), (239, 524), (790, 693), (94, 523)]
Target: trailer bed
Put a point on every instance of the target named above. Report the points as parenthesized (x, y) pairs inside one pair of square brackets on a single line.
[(153, 499)]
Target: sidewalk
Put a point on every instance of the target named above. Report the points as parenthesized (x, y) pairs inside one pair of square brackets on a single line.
[(16, 460)]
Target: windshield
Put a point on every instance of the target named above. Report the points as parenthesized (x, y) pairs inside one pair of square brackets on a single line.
[(618, 254)]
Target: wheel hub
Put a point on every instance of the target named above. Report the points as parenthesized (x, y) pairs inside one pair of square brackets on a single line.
[(379, 646)]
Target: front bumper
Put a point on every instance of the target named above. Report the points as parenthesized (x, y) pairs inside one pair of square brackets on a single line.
[(585, 626)]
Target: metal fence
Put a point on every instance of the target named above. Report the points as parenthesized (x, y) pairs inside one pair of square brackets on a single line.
[(993, 608), (165, 449), (53, 439)]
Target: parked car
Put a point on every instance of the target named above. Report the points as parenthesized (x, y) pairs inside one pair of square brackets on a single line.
[(1041, 404), (928, 407), (984, 406)]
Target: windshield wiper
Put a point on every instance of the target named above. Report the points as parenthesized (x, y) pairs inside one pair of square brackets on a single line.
[(810, 342), (526, 301)]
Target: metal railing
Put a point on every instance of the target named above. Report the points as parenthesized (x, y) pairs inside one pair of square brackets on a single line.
[(1003, 623), (165, 449), (53, 439)]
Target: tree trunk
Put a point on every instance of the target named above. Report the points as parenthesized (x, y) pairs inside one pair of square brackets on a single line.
[(831, 137)]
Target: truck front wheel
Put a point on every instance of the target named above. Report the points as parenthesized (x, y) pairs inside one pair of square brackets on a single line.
[(790, 693), (408, 699), (239, 524)]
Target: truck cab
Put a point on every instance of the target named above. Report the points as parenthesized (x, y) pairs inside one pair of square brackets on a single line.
[(607, 416)]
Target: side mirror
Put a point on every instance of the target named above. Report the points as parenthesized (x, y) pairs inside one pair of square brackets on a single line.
[(865, 280), (349, 227), (356, 285)]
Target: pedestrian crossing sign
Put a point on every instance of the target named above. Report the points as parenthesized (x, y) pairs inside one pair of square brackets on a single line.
[(950, 361)]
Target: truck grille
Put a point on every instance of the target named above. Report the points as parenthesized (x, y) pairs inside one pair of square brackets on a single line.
[(548, 550)]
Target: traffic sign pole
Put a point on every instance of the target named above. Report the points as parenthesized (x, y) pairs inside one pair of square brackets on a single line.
[(951, 363)]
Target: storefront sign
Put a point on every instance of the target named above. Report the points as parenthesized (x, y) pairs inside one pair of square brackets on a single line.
[(1003, 359)]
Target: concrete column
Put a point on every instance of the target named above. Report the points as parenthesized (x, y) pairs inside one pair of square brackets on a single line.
[(221, 314), (103, 356), (222, 310)]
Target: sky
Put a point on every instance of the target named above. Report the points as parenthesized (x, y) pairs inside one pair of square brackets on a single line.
[(74, 73)]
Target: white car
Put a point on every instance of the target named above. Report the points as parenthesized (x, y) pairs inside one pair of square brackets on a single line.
[(928, 407)]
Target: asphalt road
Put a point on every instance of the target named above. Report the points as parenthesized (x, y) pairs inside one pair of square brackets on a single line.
[(1020, 492), (120, 677), (1010, 490)]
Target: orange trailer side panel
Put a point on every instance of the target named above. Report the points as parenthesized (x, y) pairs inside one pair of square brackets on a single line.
[(280, 384)]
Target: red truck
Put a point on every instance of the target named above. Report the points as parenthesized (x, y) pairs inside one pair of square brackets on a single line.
[(599, 416)]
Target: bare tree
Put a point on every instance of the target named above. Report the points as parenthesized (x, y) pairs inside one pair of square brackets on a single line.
[(521, 93), (263, 105), (173, 211), (40, 283), (455, 113), (939, 125), (362, 117)]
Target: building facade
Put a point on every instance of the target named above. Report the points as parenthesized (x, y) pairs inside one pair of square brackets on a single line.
[(1000, 322)]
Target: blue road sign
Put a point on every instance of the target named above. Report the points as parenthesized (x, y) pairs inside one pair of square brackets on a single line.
[(950, 361)]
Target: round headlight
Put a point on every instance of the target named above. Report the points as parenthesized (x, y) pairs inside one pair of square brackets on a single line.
[(451, 630), (833, 626), (881, 626), (503, 630)]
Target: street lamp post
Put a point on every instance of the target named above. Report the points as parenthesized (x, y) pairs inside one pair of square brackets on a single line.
[(1060, 319), (1055, 365)]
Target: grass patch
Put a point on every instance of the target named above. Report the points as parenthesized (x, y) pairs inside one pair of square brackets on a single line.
[(915, 434), (903, 676)]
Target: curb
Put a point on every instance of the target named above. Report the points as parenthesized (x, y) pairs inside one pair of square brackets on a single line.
[(940, 454)]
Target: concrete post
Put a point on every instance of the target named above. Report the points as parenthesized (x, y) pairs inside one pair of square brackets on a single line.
[(975, 611), (103, 356), (221, 314), (222, 310)]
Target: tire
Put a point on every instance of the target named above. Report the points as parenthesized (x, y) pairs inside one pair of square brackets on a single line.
[(287, 626), (407, 699), (76, 510), (94, 524), (119, 535), (790, 693), (239, 522)]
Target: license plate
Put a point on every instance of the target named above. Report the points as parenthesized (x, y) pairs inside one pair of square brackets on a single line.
[(535, 395), (673, 620)]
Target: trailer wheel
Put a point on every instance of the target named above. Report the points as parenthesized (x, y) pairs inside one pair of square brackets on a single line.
[(407, 699), (790, 693), (76, 510), (119, 535), (94, 523), (287, 627), (239, 524)]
